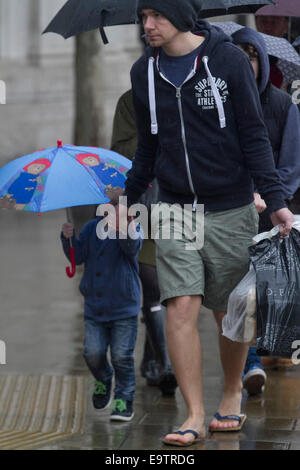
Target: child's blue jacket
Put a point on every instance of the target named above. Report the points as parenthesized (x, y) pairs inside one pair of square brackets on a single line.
[(110, 283)]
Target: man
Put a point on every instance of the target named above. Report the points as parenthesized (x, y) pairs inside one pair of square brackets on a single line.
[(200, 125)]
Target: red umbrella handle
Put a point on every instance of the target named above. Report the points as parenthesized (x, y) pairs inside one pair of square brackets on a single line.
[(71, 272)]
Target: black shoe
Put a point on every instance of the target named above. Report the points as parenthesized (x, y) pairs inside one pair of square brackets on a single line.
[(168, 384), (152, 373), (101, 395), (147, 357), (122, 410)]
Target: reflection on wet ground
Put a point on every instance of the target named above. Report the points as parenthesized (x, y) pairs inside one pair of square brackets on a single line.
[(41, 326)]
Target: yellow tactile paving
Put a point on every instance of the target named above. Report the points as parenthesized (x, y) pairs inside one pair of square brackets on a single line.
[(37, 410)]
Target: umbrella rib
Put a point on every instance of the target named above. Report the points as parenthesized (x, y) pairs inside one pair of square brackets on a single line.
[(52, 158)]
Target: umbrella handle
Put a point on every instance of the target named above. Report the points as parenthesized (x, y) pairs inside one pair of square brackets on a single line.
[(71, 272)]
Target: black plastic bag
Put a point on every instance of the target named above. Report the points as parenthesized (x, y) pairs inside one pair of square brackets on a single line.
[(277, 265)]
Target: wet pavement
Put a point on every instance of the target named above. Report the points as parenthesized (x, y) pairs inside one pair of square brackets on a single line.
[(42, 330)]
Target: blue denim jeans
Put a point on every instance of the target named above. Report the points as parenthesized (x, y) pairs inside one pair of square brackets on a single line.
[(120, 336)]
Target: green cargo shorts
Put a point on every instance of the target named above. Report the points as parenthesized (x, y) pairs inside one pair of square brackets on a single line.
[(213, 268)]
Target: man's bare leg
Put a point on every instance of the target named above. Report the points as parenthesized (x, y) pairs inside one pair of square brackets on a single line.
[(233, 357), (186, 357)]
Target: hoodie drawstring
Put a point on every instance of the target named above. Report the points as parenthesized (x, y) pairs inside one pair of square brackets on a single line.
[(152, 100), (216, 94), (151, 93)]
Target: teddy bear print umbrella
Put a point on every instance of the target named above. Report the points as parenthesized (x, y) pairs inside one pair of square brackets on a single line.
[(62, 177)]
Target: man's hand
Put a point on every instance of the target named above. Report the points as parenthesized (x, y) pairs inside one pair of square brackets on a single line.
[(284, 218), (67, 230), (259, 203)]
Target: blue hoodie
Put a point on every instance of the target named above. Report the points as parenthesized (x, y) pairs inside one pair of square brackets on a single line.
[(284, 115), (204, 143)]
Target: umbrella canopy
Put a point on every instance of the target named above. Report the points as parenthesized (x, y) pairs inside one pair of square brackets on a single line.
[(289, 60), (282, 8), (63, 176), (211, 8), (78, 16)]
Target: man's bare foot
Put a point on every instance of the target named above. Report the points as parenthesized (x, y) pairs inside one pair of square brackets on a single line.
[(196, 425), (230, 405)]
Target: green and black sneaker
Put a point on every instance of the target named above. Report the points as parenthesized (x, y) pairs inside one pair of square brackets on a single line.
[(122, 410), (102, 395)]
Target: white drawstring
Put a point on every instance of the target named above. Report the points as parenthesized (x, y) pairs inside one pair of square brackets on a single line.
[(216, 94), (151, 92), (152, 100)]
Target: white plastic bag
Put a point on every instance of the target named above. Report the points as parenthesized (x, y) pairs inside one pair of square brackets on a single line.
[(239, 324)]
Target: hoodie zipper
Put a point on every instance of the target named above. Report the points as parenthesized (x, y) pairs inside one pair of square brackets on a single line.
[(187, 160)]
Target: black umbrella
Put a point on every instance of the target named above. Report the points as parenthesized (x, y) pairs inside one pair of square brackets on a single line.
[(211, 8), (78, 16)]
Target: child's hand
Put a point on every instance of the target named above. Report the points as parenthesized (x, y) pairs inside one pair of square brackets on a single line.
[(67, 230), (118, 219)]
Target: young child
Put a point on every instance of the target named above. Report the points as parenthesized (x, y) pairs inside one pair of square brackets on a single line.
[(111, 290)]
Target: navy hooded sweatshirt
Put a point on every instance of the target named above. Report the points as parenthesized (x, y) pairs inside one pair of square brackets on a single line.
[(281, 116), (204, 140)]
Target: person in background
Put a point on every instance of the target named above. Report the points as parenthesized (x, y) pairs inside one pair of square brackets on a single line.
[(274, 26), (156, 366), (282, 120), (111, 290), (279, 26)]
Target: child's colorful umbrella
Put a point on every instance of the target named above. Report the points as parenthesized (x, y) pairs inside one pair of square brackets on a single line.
[(62, 176)]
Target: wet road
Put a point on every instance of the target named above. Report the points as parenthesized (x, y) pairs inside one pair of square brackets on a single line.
[(41, 327)]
